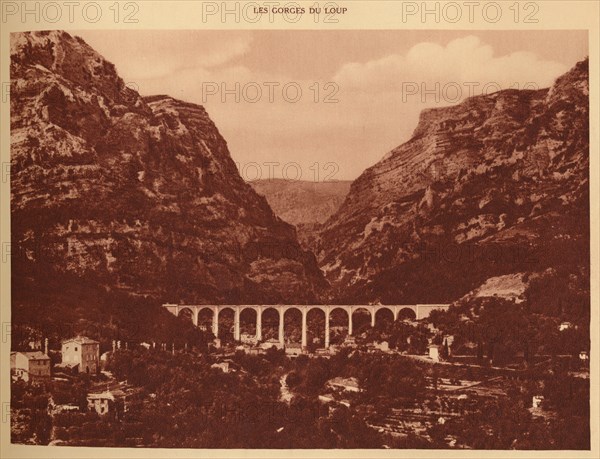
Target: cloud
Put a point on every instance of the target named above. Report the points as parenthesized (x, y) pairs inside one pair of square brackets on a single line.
[(155, 54), (463, 61), (371, 117)]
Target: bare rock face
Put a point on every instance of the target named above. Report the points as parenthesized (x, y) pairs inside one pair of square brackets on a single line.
[(495, 185), (135, 194)]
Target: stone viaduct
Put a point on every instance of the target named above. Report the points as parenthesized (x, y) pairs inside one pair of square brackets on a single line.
[(415, 311)]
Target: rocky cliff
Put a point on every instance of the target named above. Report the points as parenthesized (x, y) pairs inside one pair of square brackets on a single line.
[(135, 194), (495, 185)]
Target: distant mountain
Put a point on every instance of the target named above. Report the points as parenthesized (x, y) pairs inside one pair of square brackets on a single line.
[(136, 195), (303, 202), (498, 184)]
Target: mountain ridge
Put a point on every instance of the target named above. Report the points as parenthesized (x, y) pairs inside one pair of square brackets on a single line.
[(506, 170)]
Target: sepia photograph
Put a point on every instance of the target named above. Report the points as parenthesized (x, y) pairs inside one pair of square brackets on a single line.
[(261, 239)]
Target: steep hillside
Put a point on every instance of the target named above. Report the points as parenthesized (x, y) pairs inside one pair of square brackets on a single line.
[(495, 185), (137, 195)]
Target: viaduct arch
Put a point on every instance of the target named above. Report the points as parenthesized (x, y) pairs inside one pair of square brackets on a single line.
[(412, 311)]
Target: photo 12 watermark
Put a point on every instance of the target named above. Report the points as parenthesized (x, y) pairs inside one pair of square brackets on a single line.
[(5, 91), (253, 92), (272, 170), (452, 92), (468, 253), (54, 12), (5, 172), (6, 332), (471, 11)]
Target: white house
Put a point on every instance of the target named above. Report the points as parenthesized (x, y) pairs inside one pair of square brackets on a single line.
[(81, 351), (32, 366), (537, 401), (434, 352), (223, 366)]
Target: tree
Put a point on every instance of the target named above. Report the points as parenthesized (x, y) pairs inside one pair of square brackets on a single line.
[(444, 351)]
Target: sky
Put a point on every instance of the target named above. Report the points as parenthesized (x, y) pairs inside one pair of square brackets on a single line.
[(326, 105)]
